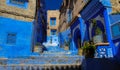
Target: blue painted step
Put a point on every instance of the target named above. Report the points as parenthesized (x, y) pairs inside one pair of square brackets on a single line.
[(43, 60)]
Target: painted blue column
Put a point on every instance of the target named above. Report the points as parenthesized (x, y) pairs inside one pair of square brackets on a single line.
[(87, 35), (107, 25), (73, 48), (82, 29)]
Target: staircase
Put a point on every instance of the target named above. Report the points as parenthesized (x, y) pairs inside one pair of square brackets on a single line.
[(54, 58), (41, 62)]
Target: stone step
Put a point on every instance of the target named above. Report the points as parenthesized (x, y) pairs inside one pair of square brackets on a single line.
[(44, 60), (41, 67)]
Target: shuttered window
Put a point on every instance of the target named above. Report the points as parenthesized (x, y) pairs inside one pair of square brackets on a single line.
[(11, 38), (18, 3)]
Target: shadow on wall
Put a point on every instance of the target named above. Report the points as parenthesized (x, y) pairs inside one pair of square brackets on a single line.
[(118, 53)]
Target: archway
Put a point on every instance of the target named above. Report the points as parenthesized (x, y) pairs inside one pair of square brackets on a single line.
[(77, 41), (98, 28), (100, 25)]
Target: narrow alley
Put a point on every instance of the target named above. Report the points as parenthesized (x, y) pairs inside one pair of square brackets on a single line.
[(59, 34)]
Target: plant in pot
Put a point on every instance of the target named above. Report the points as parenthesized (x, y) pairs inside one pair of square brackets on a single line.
[(88, 50), (67, 43)]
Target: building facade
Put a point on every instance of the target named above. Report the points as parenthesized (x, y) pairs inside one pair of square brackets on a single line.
[(40, 26), (94, 21), (17, 27), (52, 26), (69, 24)]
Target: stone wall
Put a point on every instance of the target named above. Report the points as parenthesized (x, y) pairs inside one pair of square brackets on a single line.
[(18, 13), (52, 13), (115, 6), (76, 6)]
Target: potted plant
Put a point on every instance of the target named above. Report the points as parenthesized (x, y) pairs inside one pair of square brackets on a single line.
[(67, 44), (88, 50), (38, 47)]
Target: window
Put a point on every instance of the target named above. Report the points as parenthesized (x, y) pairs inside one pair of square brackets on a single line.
[(69, 16), (115, 28), (11, 38), (18, 3), (53, 32), (52, 21)]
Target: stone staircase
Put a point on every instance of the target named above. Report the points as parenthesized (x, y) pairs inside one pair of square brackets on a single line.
[(41, 62), (54, 58)]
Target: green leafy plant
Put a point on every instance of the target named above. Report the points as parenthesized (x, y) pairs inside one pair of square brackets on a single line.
[(88, 50), (98, 31), (94, 22)]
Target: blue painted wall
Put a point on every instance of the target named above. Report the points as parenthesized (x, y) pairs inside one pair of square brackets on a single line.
[(104, 52), (24, 34), (98, 8), (115, 36), (83, 30), (53, 39), (76, 34), (64, 36)]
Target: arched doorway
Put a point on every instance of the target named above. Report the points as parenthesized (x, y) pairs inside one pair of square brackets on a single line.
[(77, 41), (97, 31)]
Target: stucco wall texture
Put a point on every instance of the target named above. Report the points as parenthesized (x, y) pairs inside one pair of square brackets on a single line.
[(77, 6), (115, 6), (18, 13)]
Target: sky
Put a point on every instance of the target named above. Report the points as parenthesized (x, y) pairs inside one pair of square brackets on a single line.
[(53, 4)]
